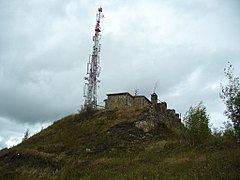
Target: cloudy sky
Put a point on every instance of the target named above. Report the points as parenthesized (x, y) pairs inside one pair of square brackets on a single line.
[(180, 48)]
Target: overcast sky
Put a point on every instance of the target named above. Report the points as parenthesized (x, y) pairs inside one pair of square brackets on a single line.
[(181, 47)]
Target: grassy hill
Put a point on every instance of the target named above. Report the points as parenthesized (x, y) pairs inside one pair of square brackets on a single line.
[(106, 144)]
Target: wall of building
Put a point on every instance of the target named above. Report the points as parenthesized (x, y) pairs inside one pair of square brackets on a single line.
[(162, 107), (119, 101), (140, 101)]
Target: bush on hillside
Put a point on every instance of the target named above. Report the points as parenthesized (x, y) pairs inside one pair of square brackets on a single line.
[(197, 124), (87, 112)]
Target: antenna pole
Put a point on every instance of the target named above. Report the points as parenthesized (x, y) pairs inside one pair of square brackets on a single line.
[(93, 66)]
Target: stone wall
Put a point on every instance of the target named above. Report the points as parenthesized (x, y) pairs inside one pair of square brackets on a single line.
[(118, 100), (158, 112), (162, 107), (121, 100), (141, 101)]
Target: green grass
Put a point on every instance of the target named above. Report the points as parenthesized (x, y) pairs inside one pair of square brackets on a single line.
[(106, 145)]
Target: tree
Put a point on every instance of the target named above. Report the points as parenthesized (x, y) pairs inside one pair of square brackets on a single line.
[(26, 135), (228, 132), (197, 123), (230, 94)]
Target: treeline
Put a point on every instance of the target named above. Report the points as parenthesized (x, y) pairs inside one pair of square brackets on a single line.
[(196, 128)]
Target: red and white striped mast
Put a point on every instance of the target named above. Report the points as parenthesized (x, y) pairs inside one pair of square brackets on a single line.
[(93, 66)]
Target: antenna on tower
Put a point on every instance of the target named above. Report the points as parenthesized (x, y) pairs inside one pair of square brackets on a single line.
[(93, 66), (155, 86), (136, 91)]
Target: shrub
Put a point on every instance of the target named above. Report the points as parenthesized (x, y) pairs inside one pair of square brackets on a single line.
[(87, 112), (197, 124)]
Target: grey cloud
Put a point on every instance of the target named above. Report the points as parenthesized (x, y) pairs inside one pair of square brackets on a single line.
[(12, 132), (2, 145)]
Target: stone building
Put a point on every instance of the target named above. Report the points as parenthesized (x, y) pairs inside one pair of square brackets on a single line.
[(157, 110), (125, 99)]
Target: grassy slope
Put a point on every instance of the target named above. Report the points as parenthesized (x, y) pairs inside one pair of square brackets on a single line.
[(108, 146)]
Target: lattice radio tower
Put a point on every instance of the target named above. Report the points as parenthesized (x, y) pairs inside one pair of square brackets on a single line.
[(93, 66)]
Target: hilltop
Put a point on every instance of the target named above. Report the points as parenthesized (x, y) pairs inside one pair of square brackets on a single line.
[(110, 144)]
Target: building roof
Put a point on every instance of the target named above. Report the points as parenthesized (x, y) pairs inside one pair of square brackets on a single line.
[(154, 94), (117, 94)]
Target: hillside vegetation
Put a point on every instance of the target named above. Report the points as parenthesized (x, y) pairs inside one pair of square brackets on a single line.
[(106, 144)]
